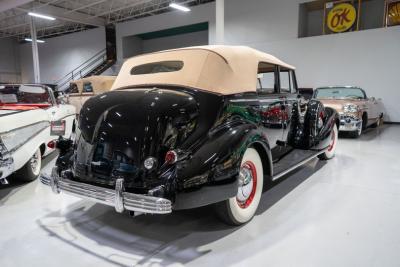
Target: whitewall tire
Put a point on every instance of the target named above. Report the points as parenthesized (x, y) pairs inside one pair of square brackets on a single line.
[(241, 208), (31, 170), (330, 152)]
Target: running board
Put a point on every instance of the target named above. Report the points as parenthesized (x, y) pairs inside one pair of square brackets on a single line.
[(293, 157)]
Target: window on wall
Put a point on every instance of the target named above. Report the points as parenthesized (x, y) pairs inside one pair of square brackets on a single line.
[(330, 17)]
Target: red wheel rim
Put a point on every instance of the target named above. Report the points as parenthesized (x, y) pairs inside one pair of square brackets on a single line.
[(252, 168), (333, 140)]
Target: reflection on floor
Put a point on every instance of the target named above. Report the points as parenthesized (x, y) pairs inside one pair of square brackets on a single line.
[(345, 212)]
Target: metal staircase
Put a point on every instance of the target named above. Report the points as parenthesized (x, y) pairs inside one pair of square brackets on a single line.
[(95, 65)]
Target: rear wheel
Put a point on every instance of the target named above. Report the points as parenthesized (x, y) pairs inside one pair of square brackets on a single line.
[(330, 152), (31, 170), (378, 122), (241, 208)]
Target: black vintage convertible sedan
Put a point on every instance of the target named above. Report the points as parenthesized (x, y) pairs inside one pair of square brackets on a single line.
[(192, 127)]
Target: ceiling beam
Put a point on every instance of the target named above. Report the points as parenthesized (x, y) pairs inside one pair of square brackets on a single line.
[(134, 4), (10, 4), (86, 6), (64, 14)]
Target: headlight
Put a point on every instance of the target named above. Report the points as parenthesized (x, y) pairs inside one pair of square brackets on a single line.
[(13, 139), (351, 108)]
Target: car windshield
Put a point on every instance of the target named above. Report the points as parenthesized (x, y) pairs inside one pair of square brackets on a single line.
[(24, 95), (339, 93)]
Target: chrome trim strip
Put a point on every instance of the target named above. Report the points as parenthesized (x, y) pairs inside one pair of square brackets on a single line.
[(25, 126), (279, 175), (4, 152), (118, 198)]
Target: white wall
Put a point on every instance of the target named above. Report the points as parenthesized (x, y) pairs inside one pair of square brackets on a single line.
[(60, 55), (9, 61), (367, 58)]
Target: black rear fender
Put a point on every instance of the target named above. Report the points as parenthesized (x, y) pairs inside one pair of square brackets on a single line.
[(210, 174), (217, 160)]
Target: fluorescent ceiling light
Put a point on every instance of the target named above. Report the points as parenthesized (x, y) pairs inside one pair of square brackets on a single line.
[(179, 7), (40, 16), (30, 40)]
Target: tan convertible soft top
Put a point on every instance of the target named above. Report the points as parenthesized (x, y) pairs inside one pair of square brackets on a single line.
[(219, 69), (100, 84)]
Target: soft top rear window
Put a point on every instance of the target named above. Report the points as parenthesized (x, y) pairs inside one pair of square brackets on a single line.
[(157, 67)]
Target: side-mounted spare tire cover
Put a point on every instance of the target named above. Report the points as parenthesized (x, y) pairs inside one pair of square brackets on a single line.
[(305, 135)]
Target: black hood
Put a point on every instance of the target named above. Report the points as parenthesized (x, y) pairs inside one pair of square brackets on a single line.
[(120, 129)]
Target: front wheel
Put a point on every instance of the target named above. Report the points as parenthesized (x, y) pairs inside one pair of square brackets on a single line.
[(241, 208), (330, 152), (31, 170), (357, 133)]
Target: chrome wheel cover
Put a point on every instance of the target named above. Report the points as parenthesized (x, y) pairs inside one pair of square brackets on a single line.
[(35, 162), (247, 184)]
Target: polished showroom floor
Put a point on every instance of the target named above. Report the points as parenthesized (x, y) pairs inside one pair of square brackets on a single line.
[(345, 212)]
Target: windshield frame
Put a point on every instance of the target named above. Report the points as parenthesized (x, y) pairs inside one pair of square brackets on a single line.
[(339, 88), (51, 103)]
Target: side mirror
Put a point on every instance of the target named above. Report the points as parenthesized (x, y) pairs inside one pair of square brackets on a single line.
[(372, 99)]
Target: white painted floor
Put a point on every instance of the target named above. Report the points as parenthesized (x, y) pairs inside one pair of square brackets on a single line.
[(345, 212)]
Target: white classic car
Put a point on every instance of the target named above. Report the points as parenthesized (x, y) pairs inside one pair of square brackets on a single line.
[(31, 118)]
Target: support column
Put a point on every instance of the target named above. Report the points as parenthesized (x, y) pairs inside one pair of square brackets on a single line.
[(35, 53), (219, 21)]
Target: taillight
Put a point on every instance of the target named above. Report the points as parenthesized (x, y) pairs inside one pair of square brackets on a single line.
[(171, 157), (51, 144)]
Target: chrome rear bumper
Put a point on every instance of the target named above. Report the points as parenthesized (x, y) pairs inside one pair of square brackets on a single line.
[(117, 198)]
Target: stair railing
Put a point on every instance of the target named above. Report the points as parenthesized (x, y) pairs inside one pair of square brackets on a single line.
[(82, 70)]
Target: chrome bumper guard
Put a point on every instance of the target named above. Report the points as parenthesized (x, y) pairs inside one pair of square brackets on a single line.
[(117, 198)]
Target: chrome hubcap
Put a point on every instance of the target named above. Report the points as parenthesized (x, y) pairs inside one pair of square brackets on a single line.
[(247, 184), (35, 162)]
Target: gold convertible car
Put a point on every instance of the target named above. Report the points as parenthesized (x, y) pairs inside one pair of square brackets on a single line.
[(356, 110)]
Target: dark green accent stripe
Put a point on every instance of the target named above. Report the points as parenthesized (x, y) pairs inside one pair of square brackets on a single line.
[(174, 31)]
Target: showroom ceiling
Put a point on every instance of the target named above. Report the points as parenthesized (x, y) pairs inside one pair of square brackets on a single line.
[(76, 15)]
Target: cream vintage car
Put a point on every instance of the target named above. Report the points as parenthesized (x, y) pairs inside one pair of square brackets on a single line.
[(356, 110), (83, 89), (31, 118)]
